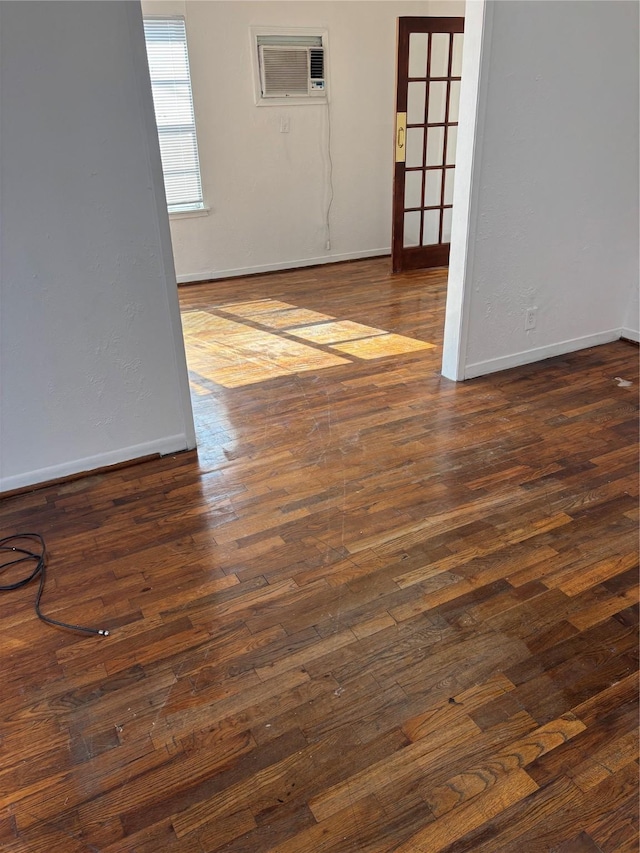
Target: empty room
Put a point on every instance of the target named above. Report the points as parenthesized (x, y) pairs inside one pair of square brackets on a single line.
[(319, 426)]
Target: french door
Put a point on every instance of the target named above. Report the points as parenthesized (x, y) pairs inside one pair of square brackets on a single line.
[(428, 90)]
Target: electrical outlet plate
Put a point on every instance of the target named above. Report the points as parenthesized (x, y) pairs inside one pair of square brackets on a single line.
[(530, 318)]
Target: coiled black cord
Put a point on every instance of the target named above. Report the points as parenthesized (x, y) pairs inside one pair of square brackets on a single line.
[(23, 554)]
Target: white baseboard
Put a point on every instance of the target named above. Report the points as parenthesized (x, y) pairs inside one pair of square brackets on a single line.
[(212, 275), (630, 334), (161, 446), (493, 365)]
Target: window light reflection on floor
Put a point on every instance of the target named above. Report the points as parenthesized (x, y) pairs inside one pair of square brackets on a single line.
[(234, 353)]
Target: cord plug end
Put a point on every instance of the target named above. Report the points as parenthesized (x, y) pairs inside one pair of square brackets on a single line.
[(103, 632)]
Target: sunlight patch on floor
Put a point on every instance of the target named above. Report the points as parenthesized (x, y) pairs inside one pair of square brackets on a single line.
[(273, 314), (332, 333), (382, 345), (233, 353)]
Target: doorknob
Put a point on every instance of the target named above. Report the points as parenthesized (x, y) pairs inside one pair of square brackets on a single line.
[(401, 136)]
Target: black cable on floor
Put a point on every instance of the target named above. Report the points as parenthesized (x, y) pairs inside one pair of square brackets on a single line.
[(23, 554)]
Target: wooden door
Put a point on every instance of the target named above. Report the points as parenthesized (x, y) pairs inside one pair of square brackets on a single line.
[(428, 90)]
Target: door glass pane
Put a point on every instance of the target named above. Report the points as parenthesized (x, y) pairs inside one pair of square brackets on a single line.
[(414, 151), (431, 227), (448, 186), (437, 102), (439, 55), (447, 214), (433, 187), (416, 102), (454, 100), (452, 141), (456, 63), (411, 229), (412, 189), (418, 54), (435, 142)]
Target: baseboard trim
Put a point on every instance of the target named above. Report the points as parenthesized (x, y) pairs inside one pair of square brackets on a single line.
[(630, 335), (214, 275), (92, 465), (493, 365)]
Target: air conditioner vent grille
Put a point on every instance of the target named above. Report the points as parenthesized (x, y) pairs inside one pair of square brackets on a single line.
[(285, 71), (316, 63)]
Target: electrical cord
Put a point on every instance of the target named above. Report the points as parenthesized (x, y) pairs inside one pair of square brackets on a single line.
[(23, 554), (329, 179)]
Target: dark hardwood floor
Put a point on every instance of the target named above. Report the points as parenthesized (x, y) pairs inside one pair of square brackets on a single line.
[(377, 611)]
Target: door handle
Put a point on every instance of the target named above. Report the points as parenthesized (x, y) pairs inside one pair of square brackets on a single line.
[(401, 136)]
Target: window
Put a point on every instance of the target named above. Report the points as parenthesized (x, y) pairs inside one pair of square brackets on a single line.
[(166, 40)]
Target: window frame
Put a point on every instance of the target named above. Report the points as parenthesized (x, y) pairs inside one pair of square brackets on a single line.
[(187, 207)]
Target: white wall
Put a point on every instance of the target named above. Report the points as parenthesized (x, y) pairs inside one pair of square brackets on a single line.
[(268, 191), (92, 364), (553, 216), (631, 327)]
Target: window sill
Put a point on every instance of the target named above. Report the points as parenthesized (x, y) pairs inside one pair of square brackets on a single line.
[(190, 214)]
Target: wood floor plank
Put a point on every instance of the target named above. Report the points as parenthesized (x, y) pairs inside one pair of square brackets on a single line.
[(616, 831), (387, 772), (375, 611), (277, 782), (465, 786), (440, 834), (542, 823)]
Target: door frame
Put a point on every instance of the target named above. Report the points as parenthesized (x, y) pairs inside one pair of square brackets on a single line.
[(473, 97)]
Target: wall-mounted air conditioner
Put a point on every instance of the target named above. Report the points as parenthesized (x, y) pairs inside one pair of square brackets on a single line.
[(289, 65), (291, 72)]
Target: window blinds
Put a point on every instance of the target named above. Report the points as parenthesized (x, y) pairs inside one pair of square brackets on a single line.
[(171, 86)]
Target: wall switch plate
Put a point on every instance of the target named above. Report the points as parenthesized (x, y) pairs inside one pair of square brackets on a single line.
[(530, 319), (284, 125)]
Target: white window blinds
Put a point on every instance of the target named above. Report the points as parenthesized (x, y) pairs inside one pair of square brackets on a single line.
[(171, 85)]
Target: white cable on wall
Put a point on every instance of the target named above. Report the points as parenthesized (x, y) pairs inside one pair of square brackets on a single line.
[(329, 173)]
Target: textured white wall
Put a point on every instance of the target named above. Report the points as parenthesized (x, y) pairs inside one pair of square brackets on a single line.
[(554, 186), (632, 319), (92, 363), (268, 190)]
